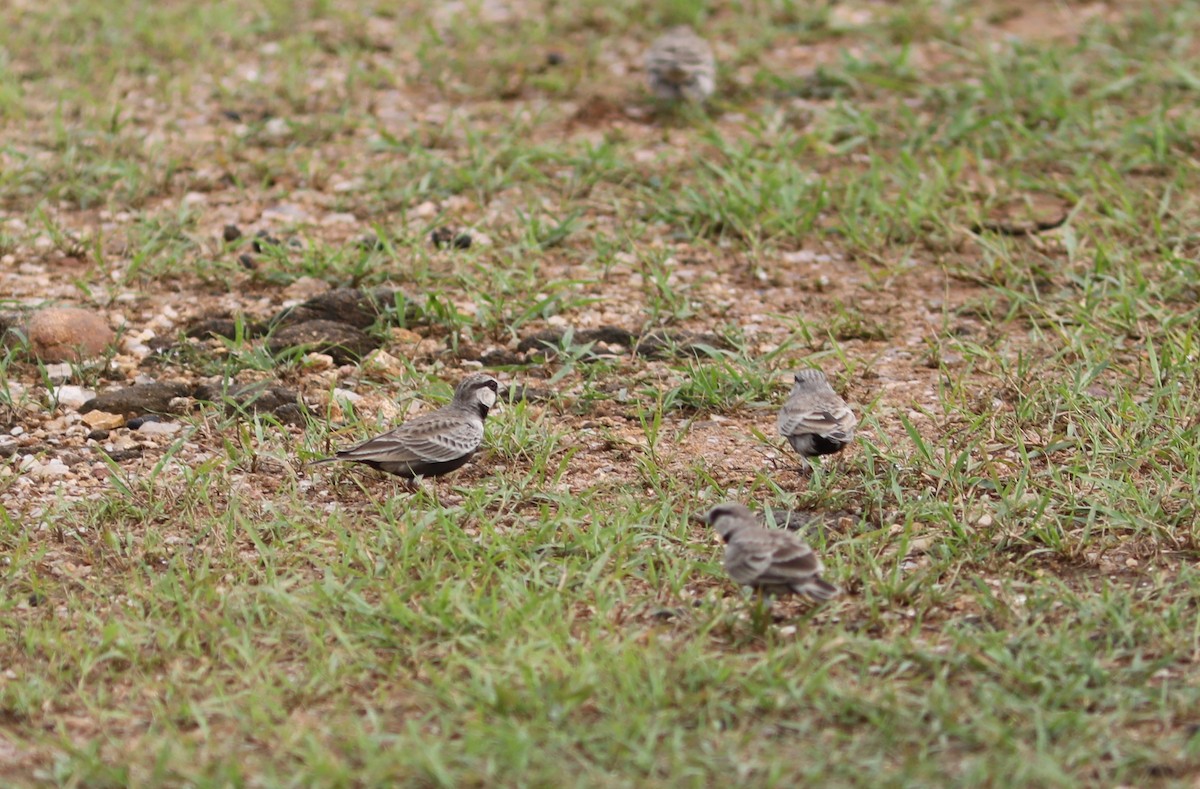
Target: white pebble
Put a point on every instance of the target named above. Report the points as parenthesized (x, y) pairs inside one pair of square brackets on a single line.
[(73, 396), (49, 470), (57, 373), (160, 428)]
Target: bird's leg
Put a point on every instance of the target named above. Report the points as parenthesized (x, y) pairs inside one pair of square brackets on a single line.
[(804, 474), (759, 614), (432, 488), (808, 469)]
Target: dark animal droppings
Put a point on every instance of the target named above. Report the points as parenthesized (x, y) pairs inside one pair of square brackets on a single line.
[(120, 455), (444, 237), (344, 343), (262, 239), (369, 243), (138, 399)]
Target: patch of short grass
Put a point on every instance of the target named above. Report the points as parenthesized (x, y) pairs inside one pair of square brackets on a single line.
[(1015, 525)]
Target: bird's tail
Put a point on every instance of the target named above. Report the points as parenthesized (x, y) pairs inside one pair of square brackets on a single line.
[(319, 461), (817, 588)]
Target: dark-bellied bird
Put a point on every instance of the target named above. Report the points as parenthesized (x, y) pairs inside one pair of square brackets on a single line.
[(680, 65), (431, 444), (768, 560), (815, 419)]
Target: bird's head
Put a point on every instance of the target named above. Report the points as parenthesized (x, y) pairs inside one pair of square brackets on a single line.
[(725, 518), (477, 391), (809, 380)]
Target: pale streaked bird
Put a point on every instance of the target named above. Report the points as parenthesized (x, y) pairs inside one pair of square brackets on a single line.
[(768, 560), (680, 66), (431, 444), (815, 419)]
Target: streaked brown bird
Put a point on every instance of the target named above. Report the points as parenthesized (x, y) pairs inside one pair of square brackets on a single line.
[(768, 560), (815, 419), (680, 66), (431, 444)]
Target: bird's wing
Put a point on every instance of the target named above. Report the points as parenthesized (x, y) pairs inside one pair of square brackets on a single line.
[(790, 561), (746, 559), (677, 57), (837, 422), (663, 65), (433, 438)]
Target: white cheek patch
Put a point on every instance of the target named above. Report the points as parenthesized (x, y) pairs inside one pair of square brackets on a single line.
[(487, 397)]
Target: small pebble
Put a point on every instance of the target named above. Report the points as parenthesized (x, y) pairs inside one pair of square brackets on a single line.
[(231, 233), (103, 420), (137, 422), (73, 396), (51, 469), (57, 373), (159, 428)]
